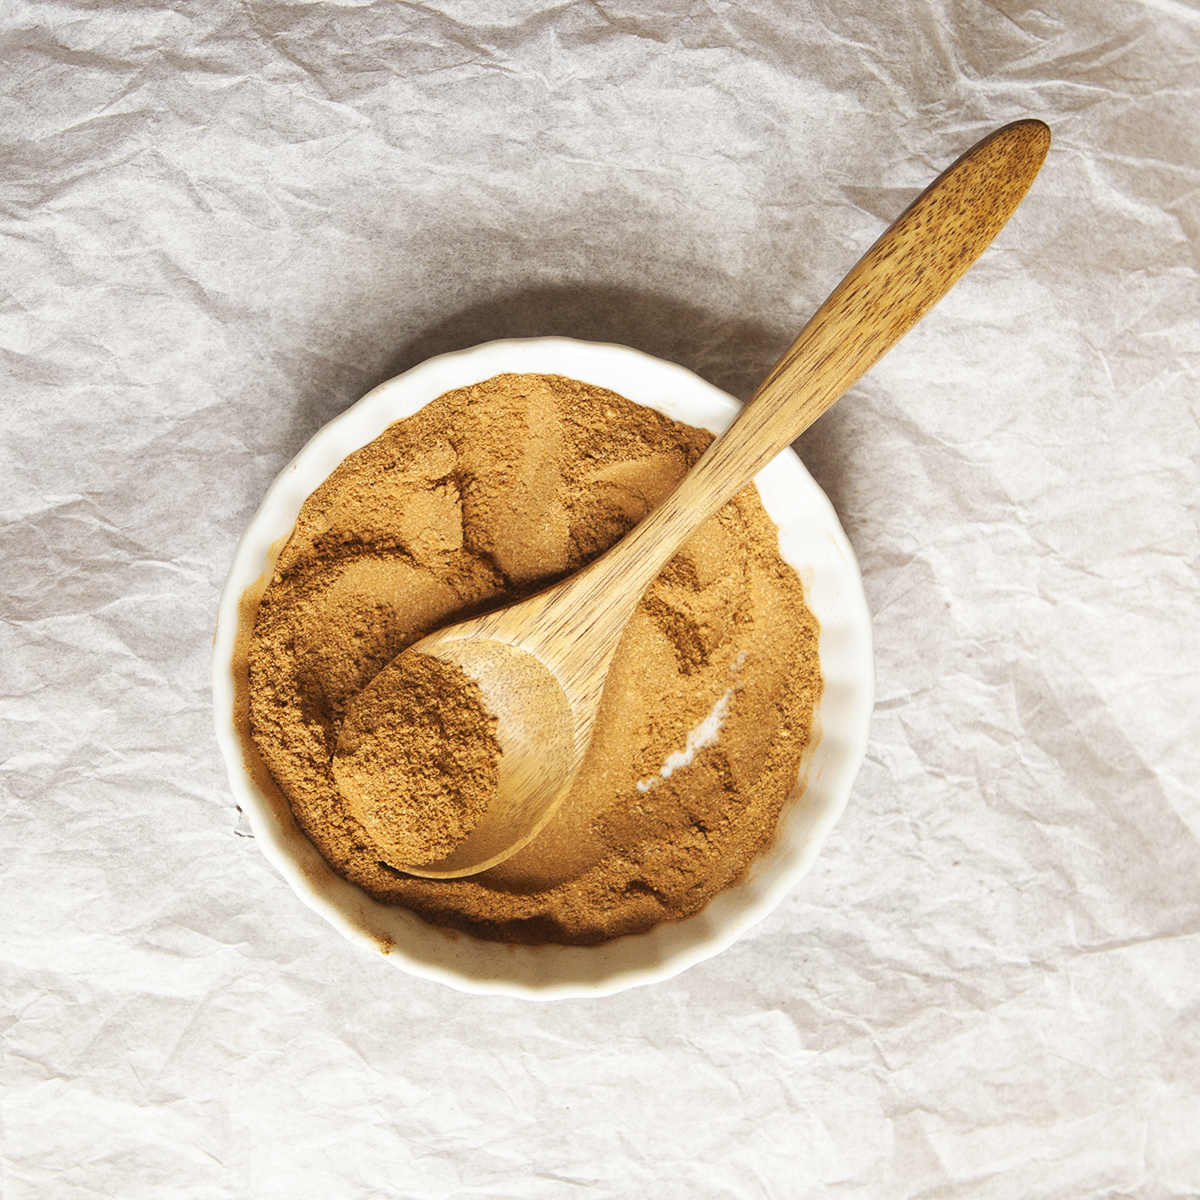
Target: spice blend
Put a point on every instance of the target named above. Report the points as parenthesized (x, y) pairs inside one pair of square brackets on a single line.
[(417, 758), (482, 497)]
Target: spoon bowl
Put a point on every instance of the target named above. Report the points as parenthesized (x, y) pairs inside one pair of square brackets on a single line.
[(540, 748)]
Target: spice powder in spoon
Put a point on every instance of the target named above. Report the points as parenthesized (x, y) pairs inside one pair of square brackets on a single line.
[(483, 496)]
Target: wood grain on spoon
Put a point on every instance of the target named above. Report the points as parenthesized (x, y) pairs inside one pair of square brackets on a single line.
[(542, 663)]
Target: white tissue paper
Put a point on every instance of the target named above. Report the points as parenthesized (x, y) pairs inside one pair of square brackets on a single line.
[(223, 222)]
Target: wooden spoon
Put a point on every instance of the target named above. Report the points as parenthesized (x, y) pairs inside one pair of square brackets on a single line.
[(542, 663)]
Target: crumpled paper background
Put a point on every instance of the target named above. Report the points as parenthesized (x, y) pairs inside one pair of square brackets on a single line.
[(222, 222)]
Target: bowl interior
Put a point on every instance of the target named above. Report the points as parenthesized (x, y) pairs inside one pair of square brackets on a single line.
[(810, 539)]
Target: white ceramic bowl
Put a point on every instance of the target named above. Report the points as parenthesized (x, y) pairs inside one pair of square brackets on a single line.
[(810, 538)]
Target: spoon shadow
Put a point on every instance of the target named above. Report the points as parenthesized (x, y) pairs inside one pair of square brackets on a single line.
[(734, 355)]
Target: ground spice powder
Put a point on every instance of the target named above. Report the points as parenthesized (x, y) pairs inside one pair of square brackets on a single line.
[(417, 758), (485, 495)]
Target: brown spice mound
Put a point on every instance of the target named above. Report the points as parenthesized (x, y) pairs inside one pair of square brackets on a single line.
[(416, 759), (483, 496)]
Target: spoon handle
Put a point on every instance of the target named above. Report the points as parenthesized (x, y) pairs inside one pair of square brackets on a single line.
[(915, 262)]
